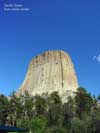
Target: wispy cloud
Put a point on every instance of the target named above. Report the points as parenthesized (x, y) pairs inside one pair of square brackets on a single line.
[(97, 58)]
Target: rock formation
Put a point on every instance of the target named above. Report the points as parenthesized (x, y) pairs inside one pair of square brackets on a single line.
[(48, 72)]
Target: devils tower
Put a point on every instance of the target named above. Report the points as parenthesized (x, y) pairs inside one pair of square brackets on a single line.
[(48, 72)]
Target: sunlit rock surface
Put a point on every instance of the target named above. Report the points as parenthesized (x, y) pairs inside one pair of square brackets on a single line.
[(48, 72)]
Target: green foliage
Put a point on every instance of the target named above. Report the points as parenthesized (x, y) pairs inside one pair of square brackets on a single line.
[(40, 105), (47, 113), (57, 130), (96, 120), (84, 101), (69, 109), (24, 122), (38, 124), (4, 102), (55, 112), (78, 126)]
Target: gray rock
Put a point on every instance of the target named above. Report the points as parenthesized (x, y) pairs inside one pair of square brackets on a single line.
[(48, 72)]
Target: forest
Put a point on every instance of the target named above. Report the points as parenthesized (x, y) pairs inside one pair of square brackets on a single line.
[(48, 114)]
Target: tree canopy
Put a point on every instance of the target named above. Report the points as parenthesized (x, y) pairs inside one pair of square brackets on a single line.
[(48, 114)]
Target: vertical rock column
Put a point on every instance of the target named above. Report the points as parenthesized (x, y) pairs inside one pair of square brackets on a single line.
[(48, 72)]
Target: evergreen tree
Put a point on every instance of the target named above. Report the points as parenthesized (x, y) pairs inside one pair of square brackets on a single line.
[(4, 106), (55, 112), (84, 101)]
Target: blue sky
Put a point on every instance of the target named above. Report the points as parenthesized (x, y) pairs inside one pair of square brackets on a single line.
[(72, 26)]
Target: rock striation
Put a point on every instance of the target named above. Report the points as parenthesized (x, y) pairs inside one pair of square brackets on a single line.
[(48, 72)]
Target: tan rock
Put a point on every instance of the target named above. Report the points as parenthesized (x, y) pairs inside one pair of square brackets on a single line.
[(48, 72)]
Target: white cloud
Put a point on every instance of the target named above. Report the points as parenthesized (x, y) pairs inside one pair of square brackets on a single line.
[(97, 58)]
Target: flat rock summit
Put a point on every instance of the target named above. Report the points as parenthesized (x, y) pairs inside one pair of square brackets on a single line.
[(48, 72)]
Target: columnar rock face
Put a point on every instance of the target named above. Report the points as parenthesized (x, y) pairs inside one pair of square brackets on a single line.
[(48, 72)]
